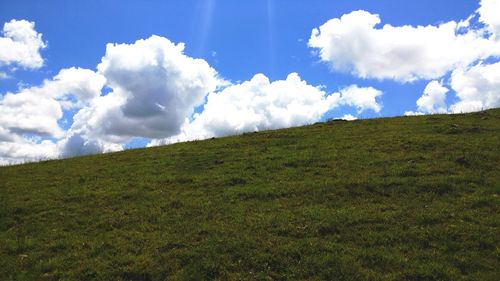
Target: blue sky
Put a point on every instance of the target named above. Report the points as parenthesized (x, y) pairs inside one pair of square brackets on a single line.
[(238, 39), (248, 37)]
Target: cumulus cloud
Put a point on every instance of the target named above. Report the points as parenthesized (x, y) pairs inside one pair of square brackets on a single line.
[(75, 87), (488, 11), (257, 105), (359, 44), (260, 104), (356, 43), (19, 150), (154, 90), (477, 87), (98, 119), (21, 44), (76, 144), (26, 112), (155, 87), (349, 117), (31, 114), (361, 98), (413, 113), (36, 110), (434, 98)]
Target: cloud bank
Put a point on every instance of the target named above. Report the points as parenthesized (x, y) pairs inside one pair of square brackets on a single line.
[(151, 89), (259, 104), (355, 43), (154, 89)]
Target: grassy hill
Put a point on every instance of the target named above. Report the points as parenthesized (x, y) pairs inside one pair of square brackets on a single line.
[(407, 198)]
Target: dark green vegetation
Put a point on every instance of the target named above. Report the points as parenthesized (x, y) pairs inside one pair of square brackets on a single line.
[(409, 198)]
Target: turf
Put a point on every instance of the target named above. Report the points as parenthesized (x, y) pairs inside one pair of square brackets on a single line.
[(407, 198)]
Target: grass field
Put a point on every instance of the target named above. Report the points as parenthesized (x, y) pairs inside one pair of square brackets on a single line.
[(407, 198)]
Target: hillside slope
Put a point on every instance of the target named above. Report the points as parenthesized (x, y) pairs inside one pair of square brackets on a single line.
[(408, 198)]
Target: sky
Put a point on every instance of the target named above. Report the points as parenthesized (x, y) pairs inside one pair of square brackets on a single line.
[(86, 77)]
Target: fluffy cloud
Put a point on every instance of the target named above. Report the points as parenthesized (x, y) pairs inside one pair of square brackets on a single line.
[(488, 11), (356, 43), (361, 98), (21, 44), (26, 112), (434, 98), (33, 113), (477, 87), (75, 87), (36, 110), (259, 104), (413, 113), (76, 144), (155, 87), (99, 118), (349, 117), (19, 150)]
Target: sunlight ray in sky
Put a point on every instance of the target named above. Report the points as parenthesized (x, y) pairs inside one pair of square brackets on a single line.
[(204, 21), (270, 38)]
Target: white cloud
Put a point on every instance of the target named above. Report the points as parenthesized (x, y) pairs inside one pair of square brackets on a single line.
[(259, 104), (434, 98), (155, 87), (36, 110), (355, 43), (413, 113), (75, 87), (361, 98), (489, 11), (21, 44), (76, 144), (477, 87), (23, 150), (26, 112), (33, 113), (349, 117), (99, 118)]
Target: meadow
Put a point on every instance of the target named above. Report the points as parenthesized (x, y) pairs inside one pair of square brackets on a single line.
[(404, 198)]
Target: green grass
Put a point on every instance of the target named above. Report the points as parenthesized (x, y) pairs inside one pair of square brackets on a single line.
[(408, 198)]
